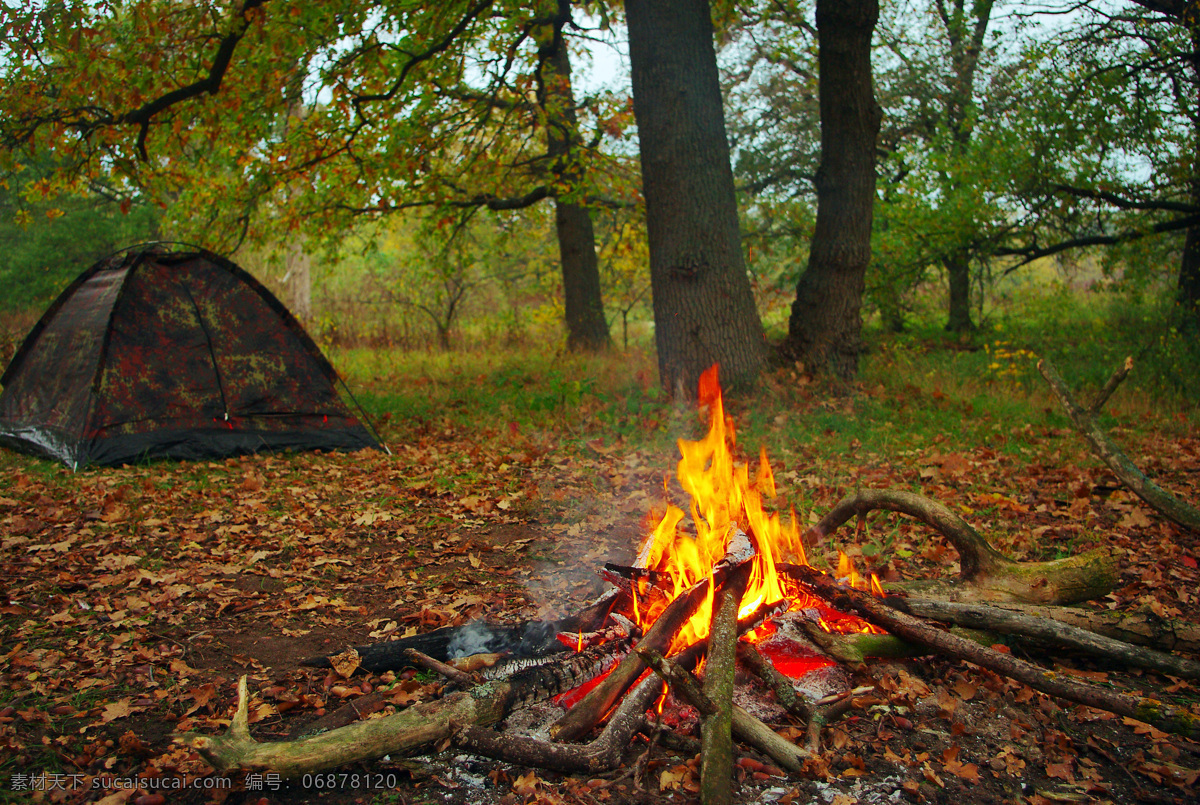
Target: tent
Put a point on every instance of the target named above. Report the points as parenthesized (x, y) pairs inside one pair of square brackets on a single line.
[(154, 353)]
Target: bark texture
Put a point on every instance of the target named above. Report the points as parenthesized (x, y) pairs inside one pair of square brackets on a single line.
[(704, 311), (587, 328), (1046, 630), (824, 330), (958, 274), (1165, 717), (986, 574), (716, 727)]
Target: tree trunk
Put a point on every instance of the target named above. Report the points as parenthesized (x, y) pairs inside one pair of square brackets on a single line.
[(1188, 290), (587, 328), (958, 271), (824, 331), (299, 280), (1189, 269), (704, 310)]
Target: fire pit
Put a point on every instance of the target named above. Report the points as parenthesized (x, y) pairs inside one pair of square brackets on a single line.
[(722, 592)]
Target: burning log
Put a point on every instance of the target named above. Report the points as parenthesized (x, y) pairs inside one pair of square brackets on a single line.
[(986, 574), (588, 711), (748, 728), (731, 555), (716, 737), (1153, 712)]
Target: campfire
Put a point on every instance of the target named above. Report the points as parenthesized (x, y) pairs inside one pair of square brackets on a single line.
[(721, 593)]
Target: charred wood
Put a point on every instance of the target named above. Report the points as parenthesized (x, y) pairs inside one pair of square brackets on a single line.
[(417, 726), (589, 710), (749, 729)]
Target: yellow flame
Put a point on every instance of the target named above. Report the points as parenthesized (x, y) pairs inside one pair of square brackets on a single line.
[(723, 501)]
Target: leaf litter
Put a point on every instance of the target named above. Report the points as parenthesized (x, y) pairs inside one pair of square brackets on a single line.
[(133, 598)]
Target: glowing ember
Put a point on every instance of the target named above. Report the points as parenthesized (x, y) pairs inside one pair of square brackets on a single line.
[(726, 508)]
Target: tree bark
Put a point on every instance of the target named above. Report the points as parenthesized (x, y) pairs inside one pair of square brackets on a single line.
[(824, 330), (1137, 628), (1049, 632), (958, 274), (1188, 288), (716, 727), (587, 327), (986, 574), (1165, 717), (704, 311)]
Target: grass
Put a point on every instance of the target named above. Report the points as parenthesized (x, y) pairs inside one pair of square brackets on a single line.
[(916, 390)]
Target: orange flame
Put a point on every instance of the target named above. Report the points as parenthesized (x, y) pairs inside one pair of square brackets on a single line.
[(725, 504)]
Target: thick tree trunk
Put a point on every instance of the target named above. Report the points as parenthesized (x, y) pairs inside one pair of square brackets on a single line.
[(587, 328), (299, 280), (825, 325), (1188, 289), (1189, 270), (958, 272), (704, 310)]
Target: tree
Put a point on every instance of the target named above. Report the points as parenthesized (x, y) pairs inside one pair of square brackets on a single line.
[(1135, 69), (703, 307), (965, 32), (46, 240), (587, 328), (408, 105), (825, 324)]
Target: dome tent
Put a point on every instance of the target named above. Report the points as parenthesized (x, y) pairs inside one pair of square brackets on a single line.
[(154, 353)]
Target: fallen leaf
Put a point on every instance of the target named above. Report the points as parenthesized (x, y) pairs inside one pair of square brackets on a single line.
[(346, 663), (118, 709)]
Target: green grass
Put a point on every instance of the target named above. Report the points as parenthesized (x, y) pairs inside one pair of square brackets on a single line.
[(923, 391)]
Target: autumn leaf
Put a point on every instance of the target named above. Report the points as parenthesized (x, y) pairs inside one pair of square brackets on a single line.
[(346, 663), (118, 709), (527, 784)]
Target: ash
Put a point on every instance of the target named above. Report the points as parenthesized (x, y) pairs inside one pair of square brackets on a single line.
[(533, 721)]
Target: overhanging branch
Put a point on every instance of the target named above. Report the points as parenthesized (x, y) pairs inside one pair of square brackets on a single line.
[(1030, 253), (1126, 203), (210, 84)]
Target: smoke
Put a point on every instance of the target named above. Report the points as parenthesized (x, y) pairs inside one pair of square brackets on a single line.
[(475, 638), (534, 639)]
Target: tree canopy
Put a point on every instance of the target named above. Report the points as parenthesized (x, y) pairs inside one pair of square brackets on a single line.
[(1009, 133)]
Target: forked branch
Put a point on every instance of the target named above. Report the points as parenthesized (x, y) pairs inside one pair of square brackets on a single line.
[(1084, 420)]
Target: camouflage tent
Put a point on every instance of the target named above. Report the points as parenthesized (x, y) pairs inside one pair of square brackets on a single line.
[(182, 355)]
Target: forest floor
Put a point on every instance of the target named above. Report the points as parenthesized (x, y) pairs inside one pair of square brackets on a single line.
[(132, 599)]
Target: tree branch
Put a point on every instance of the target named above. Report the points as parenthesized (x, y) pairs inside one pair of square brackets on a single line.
[(1126, 203), (1030, 253), (210, 84), (1175, 720), (1103, 448)]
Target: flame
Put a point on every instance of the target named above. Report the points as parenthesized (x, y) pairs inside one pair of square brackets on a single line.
[(725, 504)]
